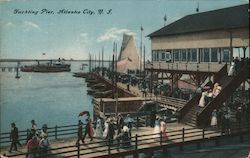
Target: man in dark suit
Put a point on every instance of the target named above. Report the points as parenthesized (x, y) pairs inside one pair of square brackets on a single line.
[(14, 137)]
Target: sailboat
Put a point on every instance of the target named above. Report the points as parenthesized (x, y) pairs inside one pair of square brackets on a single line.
[(129, 58)]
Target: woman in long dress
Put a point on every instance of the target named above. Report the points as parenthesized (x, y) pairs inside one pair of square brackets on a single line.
[(98, 130), (157, 129), (106, 129), (163, 130), (216, 90), (231, 69), (214, 119), (202, 99)]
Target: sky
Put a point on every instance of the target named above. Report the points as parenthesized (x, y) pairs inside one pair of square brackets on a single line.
[(35, 29)]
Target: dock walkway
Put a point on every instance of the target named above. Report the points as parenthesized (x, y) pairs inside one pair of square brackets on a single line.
[(66, 147)]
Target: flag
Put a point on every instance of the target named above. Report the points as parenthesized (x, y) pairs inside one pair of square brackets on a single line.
[(83, 113), (197, 9), (165, 18), (141, 28)]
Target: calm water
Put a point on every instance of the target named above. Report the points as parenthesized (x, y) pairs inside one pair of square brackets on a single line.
[(52, 98)]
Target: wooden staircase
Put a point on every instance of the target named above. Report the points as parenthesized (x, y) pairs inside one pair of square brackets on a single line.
[(171, 102), (229, 85), (194, 115)]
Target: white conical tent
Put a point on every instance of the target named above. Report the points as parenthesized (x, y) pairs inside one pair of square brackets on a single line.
[(128, 58)]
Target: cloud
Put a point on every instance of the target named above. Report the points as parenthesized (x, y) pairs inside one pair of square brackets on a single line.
[(30, 25), (83, 38), (84, 35), (9, 24), (114, 34)]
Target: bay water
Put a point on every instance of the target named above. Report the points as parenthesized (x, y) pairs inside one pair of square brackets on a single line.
[(51, 98)]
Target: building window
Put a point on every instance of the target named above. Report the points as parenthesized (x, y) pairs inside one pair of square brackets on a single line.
[(176, 55), (226, 52), (162, 55), (168, 56), (214, 54), (155, 55), (183, 55), (206, 55), (194, 55), (201, 54), (189, 55)]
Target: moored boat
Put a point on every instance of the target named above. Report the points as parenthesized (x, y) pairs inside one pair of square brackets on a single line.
[(55, 67)]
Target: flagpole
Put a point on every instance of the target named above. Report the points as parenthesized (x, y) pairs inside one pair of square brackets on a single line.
[(144, 62), (99, 61), (116, 90), (113, 66), (102, 61), (141, 52)]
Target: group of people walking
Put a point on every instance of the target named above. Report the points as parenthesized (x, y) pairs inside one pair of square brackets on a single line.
[(222, 117), (160, 128), (37, 141), (105, 129)]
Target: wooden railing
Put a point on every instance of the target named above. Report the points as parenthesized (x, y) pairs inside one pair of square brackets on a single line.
[(225, 93), (187, 67), (142, 143), (220, 74), (195, 100), (53, 132), (57, 132), (120, 90)]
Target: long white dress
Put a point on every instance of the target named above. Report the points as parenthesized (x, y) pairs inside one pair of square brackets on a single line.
[(202, 99), (98, 130), (214, 119), (106, 128), (231, 69), (157, 129)]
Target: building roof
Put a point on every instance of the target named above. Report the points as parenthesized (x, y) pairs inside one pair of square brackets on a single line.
[(226, 18)]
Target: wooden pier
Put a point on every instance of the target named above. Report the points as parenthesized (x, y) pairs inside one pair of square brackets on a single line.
[(143, 141)]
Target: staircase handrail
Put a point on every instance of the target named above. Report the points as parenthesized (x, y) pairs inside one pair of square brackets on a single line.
[(221, 73), (204, 116), (195, 100)]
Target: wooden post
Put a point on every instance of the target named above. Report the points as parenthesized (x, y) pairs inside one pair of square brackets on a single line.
[(161, 138), (27, 134), (78, 150), (136, 146), (183, 136), (56, 132), (109, 144), (137, 122), (203, 134), (136, 142)]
